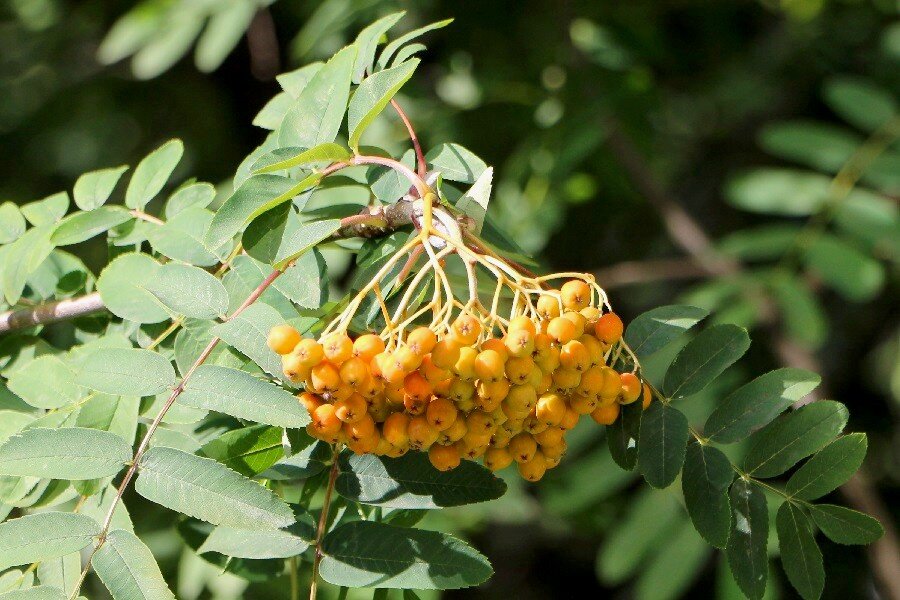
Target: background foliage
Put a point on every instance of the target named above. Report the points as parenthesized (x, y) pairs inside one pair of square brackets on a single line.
[(597, 117)]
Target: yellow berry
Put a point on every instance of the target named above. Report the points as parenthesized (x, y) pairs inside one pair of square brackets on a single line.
[(283, 338)]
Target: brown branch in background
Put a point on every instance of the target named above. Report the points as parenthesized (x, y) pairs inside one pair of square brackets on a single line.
[(262, 42), (884, 555), (421, 167), (647, 271), (51, 312)]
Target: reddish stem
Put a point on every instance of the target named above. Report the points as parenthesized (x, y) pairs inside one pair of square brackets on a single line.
[(420, 157)]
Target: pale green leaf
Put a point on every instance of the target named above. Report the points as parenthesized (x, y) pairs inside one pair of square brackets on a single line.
[(128, 570), (373, 95), (247, 334), (189, 291), (286, 158), (45, 382), (65, 453), (39, 536), (47, 210), (385, 58), (121, 286), (127, 372), (152, 173), (367, 42), (82, 226), (225, 29), (455, 163), (243, 543), (474, 202), (93, 189), (194, 195), (12, 223)]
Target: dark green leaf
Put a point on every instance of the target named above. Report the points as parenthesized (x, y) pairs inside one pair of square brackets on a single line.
[(704, 358), (656, 328), (845, 526), (249, 450), (705, 481), (412, 482), (757, 403), (366, 554), (677, 562), (828, 468), (852, 273), (385, 58), (622, 436), (747, 554), (778, 447), (661, 447), (304, 464), (800, 556)]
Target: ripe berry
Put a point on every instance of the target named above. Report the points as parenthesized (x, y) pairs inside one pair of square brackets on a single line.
[(555, 451), (355, 373), (647, 397), (606, 415), (521, 398), (445, 354), (421, 340), (394, 429), (491, 394), (609, 328), (282, 339), (325, 377), (550, 409), (552, 436), (456, 431), (496, 459), (293, 368), (310, 401), (584, 405), (342, 392), (590, 313), (368, 346), (535, 468), (579, 321), (522, 447), (465, 364), (520, 342), (612, 384), (325, 421), (488, 365), (352, 409), (415, 406), (566, 379), (310, 352), (570, 420), (519, 370), (431, 372), (562, 330), (594, 348), (444, 458), (631, 388), (461, 390), (417, 386), (421, 433), (441, 413), (573, 355), (466, 329), (480, 423), (548, 307), (575, 294), (405, 359), (366, 444), (497, 346)]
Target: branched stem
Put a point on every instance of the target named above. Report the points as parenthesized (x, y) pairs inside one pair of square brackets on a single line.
[(323, 522)]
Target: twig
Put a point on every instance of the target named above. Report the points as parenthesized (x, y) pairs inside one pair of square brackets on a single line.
[(141, 215), (51, 312), (323, 522), (421, 166)]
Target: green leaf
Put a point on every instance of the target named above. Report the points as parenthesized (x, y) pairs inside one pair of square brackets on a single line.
[(121, 286), (62, 572), (661, 447), (93, 189), (303, 239), (474, 202), (167, 44), (244, 276), (256, 195), (800, 556), (45, 382), (226, 27), (316, 116), (828, 468), (622, 436), (705, 482), (127, 372), (396, 44), (655, 329), (849, 271), (859, 102), (747, 543), (272, 113), (242, 395), (755, 404), (455, 163), (778, 447), (40, 536), (373, 95), (48, 210), (294, 82), (12, 223), (205, 489), (271, 543), (40, 592), (195, 195), (800, 310), (669, 573), (367, 554), (247, 334), (704, 358), (152, 173), (412, 482), (822, 146), (65, 453), (128, 570), (845, 526), (116, 414), (286, 158), (21, 258), (305, 283), (249, 450), (82, 226), (304, 464), (188, 291), (762, 243), (367, 42), (181, 238)]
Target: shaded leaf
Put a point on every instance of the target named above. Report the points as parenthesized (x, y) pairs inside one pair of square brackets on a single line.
[(747, 543), (622, 436), (845, 526), (851, 272), (272, 543), (829, 468), (705, 482), (304, 464), (655, 329), (249, 450), (800, 556), (474, 202), (663, 437), (385, 58), (704, 358)]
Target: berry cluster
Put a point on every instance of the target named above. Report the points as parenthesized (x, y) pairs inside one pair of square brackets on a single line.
[(463, 393)]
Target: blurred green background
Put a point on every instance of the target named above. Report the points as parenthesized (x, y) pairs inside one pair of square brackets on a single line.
[(607, 122)]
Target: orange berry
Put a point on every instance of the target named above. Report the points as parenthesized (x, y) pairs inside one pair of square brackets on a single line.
[(497, 458), (579, 321), (352, 409), (325, 421), (609, 328), (310, 401), (519, 369), (441, 413), (310, 352), (520, 342), (520, 400), (491, 393), (548, 307), (575, 294), (465, 364), (566, 379), (421, 340), (444, 458), (417, 386), (570, 420), (535, 468), (522, 323), (606, 415), (415, 406), (370, 388), (366, 444), (522, 447), (555, 451), (612, 383), (338, 348), (466, 329), (431, 372), (455, 432), (562, 330), (394, 429), (631, 388), (573, 355), (355, 373), (293, 368), (342, 392), (445, 354), (590, 314), (497, 346), (282, 339), (592, 382), (368, 346), (584, 405), (647, 397), (397, 451), (361, 429), (480, 423), (325, 377), (488, 365), (394, 394), (405, 359), (550, 409), (552, 436), (461, 390), (421, 433), (594, 348)]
